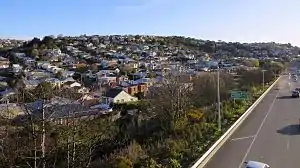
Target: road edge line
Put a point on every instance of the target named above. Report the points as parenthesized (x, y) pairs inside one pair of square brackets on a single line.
[(200, 163)]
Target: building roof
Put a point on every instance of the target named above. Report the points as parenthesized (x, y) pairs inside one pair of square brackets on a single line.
[(113, 92)]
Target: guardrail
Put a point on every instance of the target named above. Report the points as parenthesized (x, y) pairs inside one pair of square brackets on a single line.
[(218, 144)]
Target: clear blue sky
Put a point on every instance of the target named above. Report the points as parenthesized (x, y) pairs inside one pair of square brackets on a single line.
[(228, 20)]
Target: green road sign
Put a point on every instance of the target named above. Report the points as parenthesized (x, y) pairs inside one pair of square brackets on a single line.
[(239, 95)]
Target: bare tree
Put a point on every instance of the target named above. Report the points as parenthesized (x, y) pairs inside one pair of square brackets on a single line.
[(205, 88), (171, 100)]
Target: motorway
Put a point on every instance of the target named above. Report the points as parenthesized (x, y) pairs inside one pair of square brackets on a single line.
[(270, 134)]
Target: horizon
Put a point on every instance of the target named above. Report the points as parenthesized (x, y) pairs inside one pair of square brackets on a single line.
[(30, 38), (230, 21)]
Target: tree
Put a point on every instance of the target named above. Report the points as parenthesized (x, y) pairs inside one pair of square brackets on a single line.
[(12, 58), (35, 41), (209, 47), (205, 88), (81, 69), (43, 47), (249, 78), (44, 91), (171, 101), (59, 75), (94, 67), (134, 57), (48, 40), (16, 81), (34, 53), (121, 162), (256, 63), (251, 63), (277, 67)]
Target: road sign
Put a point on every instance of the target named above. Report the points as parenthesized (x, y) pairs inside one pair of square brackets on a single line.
[(239, 95)]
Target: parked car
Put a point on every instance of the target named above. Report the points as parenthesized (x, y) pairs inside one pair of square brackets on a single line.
[(295, 94), (255, 164)]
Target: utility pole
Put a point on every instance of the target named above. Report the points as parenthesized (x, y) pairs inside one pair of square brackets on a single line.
[(219, 104)]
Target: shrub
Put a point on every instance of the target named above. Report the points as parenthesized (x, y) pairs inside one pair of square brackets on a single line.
[(121, 162)]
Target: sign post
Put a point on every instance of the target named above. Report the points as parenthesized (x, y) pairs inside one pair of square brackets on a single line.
[(239, 95)]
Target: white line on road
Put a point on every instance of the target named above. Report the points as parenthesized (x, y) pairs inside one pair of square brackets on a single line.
[(241, 138), (259, 129), (288, 139)]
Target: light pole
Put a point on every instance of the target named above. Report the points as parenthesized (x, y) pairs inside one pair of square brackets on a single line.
[(218, 92), (219, 104)]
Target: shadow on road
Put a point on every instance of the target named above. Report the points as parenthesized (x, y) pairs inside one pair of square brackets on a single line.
[(285, 97), (290, 130)]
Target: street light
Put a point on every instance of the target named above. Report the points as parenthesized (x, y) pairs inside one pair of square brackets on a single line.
[(219, 104), (218, 91)]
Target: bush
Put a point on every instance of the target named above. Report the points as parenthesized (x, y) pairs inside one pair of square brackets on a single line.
[(121, 162)]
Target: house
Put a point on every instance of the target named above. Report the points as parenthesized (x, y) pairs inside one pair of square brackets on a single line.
[(117, 71), (68, 73), (72, 84), (7, 93), (139, 75), (116, 95), (70, 79), (147, 81), (4, 62), (54, 82), (31, 84), (16, 68), (43, 64), (131, 89), (142, 88), (108, 79), (83, 90)]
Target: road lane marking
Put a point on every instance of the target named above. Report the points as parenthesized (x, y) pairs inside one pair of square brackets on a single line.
[(259, 129), (288, 139), (241, 138)]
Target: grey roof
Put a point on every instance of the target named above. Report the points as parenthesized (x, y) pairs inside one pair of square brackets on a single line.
[(112, 93), (55, 109)]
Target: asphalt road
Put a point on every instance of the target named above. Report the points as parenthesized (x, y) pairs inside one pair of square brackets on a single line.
[(270, 134)]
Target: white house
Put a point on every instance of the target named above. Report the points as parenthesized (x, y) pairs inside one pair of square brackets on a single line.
[(75, 84), (118, 96), (67, 80), (16, 67)]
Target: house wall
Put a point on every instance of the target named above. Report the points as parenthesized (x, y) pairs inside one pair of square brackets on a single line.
[(124, 97), (132, 90), (143, 88)]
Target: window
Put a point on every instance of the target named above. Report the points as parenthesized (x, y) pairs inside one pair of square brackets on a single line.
[(122, 100)]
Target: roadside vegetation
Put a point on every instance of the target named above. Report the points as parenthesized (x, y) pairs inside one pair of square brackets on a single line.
[(171, 128)]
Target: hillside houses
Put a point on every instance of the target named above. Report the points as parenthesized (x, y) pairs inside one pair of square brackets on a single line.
[(121, 69)]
